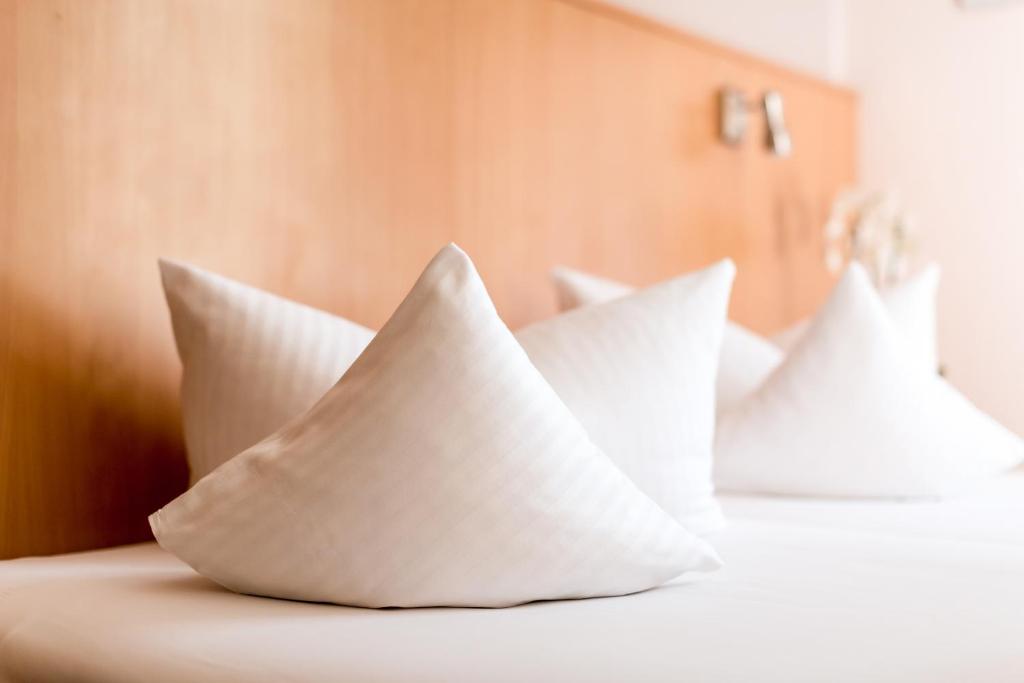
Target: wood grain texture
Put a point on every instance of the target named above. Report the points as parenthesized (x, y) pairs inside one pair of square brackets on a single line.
[(324, 150)]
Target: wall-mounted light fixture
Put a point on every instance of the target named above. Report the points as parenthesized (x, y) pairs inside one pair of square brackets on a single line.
[(733, 115)]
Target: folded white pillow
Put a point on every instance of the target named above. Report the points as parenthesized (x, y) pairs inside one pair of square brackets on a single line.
[(442, 469), (639, 373), (251, 361), (746, 358), (911, 306), (849, 413)]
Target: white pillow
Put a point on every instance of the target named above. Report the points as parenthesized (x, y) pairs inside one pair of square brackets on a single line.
[(788, 337), (911, 305), (251, 361), (639, 373), (440, 470), (746, 358), (848, 413)]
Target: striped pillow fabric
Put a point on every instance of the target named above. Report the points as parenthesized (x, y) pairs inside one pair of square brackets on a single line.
[(746, 360), (251, 361), (639, 373), (382, 495)]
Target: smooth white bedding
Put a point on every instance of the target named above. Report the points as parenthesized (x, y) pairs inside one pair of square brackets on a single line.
[(993, 512), (794, 603)]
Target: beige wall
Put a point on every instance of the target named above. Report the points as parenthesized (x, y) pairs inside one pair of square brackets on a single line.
[(942, 122)]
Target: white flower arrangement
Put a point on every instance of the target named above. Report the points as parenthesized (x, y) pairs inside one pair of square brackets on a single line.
[(874, 229)]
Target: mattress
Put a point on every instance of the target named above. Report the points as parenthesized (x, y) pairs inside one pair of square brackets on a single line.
[(795, 602)]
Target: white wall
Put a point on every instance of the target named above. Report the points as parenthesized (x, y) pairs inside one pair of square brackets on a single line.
[(805, 34), (942, 121)]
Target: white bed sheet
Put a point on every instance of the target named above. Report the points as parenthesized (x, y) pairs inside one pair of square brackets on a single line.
[(794, 603), (993, 513)]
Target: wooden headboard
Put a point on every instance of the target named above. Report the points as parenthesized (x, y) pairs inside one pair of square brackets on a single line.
[(325, 150)]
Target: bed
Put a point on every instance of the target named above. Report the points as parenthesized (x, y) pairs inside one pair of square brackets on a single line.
[(993, 513), (810, 592), (499, 140)]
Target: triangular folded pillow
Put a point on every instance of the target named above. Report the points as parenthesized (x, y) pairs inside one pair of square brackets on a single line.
[(639, 373), (849, 413), (746, 358), (911, 307), (440, 470), (251, 361)]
